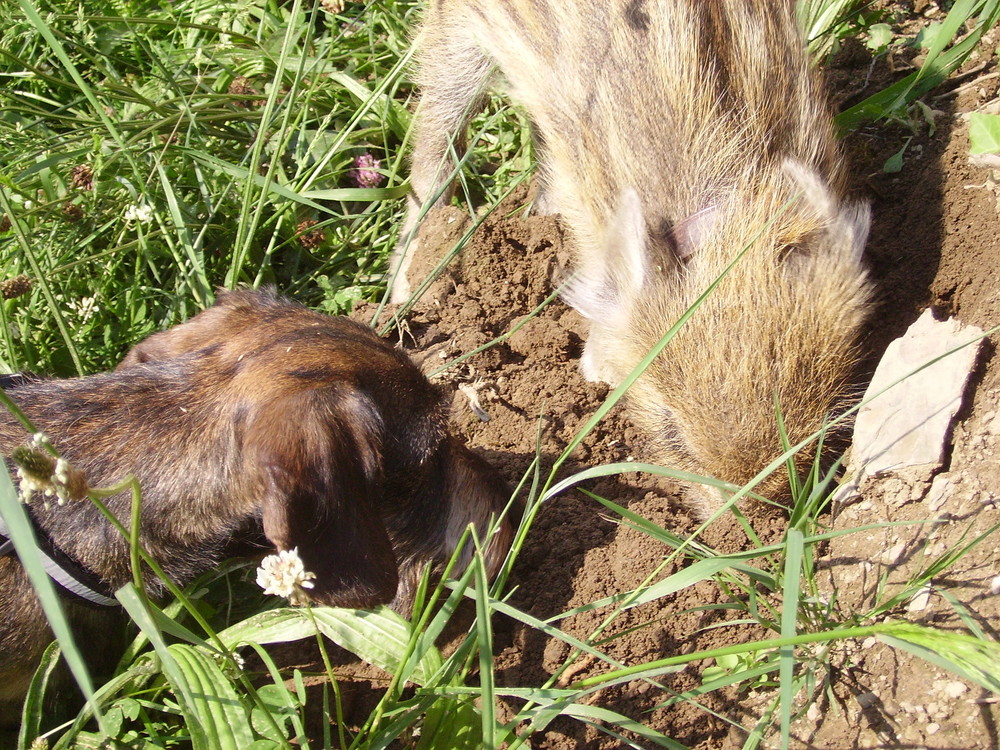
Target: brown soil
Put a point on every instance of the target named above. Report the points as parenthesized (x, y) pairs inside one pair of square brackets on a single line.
[(934, 243)]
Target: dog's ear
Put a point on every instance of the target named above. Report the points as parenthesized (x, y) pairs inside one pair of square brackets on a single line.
[(229, 316), (209, 328), (315, 457)]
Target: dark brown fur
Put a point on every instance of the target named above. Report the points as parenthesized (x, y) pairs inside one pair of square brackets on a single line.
[(257, 418)]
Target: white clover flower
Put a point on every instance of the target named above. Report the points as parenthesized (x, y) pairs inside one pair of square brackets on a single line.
[(285, 575), (139, 212), (85, 307)]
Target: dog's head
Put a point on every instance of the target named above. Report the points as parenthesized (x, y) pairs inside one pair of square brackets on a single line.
[(343, 442)]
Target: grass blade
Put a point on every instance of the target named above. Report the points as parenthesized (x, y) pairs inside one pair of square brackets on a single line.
[(789, 617), (975, 659), (380, 636)]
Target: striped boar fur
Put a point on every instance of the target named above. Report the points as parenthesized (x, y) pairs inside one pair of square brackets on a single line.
[(674, 134), (257, 424)]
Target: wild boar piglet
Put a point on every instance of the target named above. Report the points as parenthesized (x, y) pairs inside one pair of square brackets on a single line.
[(675, 135)]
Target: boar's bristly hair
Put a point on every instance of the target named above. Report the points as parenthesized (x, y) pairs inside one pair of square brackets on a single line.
[(674, 136)]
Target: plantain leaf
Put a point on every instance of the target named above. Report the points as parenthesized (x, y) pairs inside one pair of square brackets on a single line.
[(31, 714), (215, 707), (281, 705), (379, 636)]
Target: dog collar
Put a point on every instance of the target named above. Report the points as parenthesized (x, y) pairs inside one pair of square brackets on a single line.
[(60, 567)]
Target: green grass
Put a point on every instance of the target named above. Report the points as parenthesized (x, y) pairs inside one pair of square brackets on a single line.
[(151, 152), (234, 124)]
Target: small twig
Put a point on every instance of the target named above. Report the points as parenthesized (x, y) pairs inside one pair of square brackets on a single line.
[(567, 676), (471, 391), (967, 84)]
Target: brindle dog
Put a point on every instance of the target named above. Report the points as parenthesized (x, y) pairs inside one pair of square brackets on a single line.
[(256, 424)]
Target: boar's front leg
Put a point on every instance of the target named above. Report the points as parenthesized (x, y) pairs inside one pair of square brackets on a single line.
[(452, 74)]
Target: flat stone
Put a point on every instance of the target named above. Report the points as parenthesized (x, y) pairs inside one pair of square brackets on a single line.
[(955, 689), (893, 555), (909, 424), (920, 601), (939, 492)]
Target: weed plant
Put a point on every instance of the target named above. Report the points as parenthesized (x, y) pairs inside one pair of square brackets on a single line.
[(151, 152)]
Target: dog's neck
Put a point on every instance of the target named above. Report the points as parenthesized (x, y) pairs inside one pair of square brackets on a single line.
[(71, 577)]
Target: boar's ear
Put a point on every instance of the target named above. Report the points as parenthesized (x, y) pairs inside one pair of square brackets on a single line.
[(475, 493), (851, 227), (605, 283), (209, 328), (315, 458), (848, 224), (478, 496)]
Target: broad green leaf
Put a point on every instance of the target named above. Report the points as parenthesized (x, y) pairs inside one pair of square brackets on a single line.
[(379, 637), (929, 35), (281, 705), (136, 608), (714, 678), (452, 724), (31, 713), (879, 36), (273, 626), (216, 707), (138, 674), (894, 163), (984, 133)]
